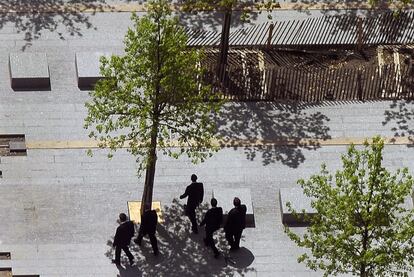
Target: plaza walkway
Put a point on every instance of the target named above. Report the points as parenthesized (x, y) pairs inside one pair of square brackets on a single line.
[(59, 206)]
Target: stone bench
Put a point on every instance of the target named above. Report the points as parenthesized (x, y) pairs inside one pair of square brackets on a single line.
[(88, 68), (225, 198), (29, 71), (17, 146), (298, 202)]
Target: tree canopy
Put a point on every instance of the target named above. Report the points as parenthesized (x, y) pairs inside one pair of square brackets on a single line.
[(154, 96), (362, 225)]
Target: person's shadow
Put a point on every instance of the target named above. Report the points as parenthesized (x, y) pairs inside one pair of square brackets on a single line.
[(183, 253)]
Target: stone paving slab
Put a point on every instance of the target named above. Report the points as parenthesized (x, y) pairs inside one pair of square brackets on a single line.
[(84, 201), (95, 190), (29, 71)]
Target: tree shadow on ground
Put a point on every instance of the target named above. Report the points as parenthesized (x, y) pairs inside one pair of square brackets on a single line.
[(400, 116), (181, 252), (380, 25), (213, 21), (272, 122), (33, 17)]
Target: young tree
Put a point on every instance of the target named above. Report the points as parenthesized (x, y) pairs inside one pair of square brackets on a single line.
[(362, 226), (152, 93), (226, 6)]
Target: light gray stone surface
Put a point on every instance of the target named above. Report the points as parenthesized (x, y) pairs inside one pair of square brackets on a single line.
[(61, 206), (87, 68), (299, 203), (29, 71), (225, 198)]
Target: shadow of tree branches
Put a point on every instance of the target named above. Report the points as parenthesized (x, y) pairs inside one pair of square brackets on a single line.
[(400, 116), (270, 122), (181, 252), (34, 17), (380, 25), (213, 20)]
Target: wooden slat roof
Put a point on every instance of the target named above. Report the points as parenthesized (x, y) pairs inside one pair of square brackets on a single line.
[(385, 28)]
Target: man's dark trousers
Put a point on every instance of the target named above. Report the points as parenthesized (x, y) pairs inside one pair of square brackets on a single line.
[(192, 216), (233, 237), (210, 241), (148, 227), (118, 253), (152, 238)]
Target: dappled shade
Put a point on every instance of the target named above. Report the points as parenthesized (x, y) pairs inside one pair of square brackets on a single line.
[(249, 122), (183, 253), (399, 117), (34, 17)]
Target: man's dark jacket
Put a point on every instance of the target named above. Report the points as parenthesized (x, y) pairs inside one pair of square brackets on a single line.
[(149, 222), (236, 219), (213, 219), (195, 193), (124, 233)]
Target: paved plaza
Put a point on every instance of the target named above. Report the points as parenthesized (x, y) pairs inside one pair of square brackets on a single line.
[(59, 206)]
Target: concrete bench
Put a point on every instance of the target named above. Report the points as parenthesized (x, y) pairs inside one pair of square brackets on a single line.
[(225, 198), (17, 146), (29, 71), (298, 202), (88, 68)]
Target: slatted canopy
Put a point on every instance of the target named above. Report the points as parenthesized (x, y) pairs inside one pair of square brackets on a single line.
[(385, 28)]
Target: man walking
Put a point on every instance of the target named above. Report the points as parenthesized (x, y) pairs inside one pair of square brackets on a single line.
[(195, 194), (236, 222), (212, 220), (148, 227), (123, 235)]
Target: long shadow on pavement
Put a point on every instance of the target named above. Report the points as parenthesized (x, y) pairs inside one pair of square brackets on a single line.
[(183, 253), (400, 117), (269, 121), (34, 17)]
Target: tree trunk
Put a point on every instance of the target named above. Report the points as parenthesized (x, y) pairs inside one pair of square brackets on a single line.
[(363, 272), (363, 266), (224, 46), (150, 171)]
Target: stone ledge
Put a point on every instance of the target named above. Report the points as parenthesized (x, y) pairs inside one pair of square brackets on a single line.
[(88, 68), (299, 202), (29, 71), (225, 198)]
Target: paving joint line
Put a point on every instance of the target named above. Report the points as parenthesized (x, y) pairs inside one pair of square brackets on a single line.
[(298, 142)]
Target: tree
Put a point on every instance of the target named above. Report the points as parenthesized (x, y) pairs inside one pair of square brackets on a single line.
[(227, 7), (152, 93), (362, 226)]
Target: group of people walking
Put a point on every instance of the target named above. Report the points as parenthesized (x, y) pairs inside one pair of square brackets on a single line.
[(213, 219)]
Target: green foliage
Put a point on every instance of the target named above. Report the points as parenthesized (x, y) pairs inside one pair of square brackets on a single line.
[(153, 95), (229, 5), (208, 5), (361, 226), (403, 2)]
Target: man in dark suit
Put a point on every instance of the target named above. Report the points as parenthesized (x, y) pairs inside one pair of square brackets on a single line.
[(212, 220), (123, 235), (236, 222), (149, 220), (195, 194)]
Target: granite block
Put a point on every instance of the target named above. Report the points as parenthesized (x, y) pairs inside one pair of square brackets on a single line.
[(299, 202), (17, 146), (29, 71), (87, 68), (225, 198)]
